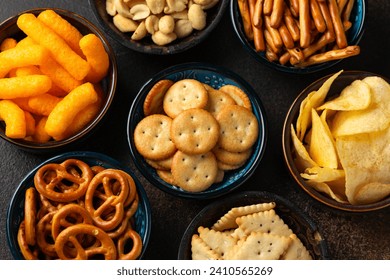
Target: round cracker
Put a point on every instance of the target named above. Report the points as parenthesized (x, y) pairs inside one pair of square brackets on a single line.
[(238, 95), (217, 100), (239, 128), (153, 103), (152, 137), (195, 131), (231, 158), (184, 94), (194, 173)]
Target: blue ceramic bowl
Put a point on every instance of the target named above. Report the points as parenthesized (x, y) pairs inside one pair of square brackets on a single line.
[(354, 35), (146, 45), (299, 222), (9, 29), (16, 208), (343, 80), (215, 77)]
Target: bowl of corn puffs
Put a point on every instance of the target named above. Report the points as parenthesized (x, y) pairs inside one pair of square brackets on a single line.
[(299, 36), (58, 78)]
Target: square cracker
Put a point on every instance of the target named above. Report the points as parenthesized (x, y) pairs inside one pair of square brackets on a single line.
[(296, 250), (200, 250), (228, 221), (266, 222), (218, 241), (260, 246)]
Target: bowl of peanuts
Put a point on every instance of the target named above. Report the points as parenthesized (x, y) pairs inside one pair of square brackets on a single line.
[(299, 36), (58, 79), (196, 130), (85, 194), (253, 225), (160, 27)]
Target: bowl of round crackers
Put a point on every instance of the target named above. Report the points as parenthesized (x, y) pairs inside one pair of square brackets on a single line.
[(196, 130), (159, 27), (252, 225), (85, 194), (336, 140), (299, 39), (58, 79)]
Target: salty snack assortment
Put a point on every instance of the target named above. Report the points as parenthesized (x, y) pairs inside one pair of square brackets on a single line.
[(163, 21), (249, 232), (299, 33), (76, 211), (341, 143), (49, 80), (192, 133)]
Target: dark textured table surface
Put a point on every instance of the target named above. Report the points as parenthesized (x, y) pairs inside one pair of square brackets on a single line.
[(349, 235)]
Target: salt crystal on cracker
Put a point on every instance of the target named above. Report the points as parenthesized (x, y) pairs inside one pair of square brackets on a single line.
[(228, 221)]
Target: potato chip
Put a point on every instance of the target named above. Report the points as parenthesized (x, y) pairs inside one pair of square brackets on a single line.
[(372, 192), (375, 118), (303, 159), (323, 174), (365, 159), (334, 189), (322, 147), (356, 96), (313, 100)]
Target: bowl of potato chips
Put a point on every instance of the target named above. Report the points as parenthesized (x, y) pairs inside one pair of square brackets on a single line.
[(57, 79), (252, 225), (294, 39), (336, 140), (160, 27), (40, 218)]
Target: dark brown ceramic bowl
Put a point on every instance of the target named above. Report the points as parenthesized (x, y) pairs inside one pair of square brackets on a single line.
[(9, 29), (343, 80), (146, 45), (301, 224)]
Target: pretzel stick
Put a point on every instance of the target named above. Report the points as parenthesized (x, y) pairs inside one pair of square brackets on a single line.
[(318, 19), (327, 18), (277, 13), (246, 20), (294, 7), (341, 4), (258, 13), (319, 44), (270, 42), (331, 55), (286, 36), (291, 24), (258, 36), (284, 58), (268, 5), (269, 54), (304, 22), (341, 39), (348, 9), (274, 32), (296, 55)]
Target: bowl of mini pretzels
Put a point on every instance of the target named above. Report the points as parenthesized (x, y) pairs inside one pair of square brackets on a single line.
[(196, 130), (159, 27), (79, 206)]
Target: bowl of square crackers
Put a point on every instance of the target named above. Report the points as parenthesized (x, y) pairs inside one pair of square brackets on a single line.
[(196, 130), (252, 225)]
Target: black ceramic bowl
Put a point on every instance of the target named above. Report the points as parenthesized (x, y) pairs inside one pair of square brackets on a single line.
[(354, 35), (9, 29), (15, 213), (343, 80), (146, 45), (301, 224), (216, 77)]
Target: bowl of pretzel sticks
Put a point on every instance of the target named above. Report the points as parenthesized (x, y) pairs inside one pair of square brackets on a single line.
[(299, 36), (57, 79), (79, 206), (252, 225)]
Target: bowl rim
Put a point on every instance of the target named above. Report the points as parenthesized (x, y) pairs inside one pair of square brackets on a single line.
[(99, 157), (263, 130), (112, 75), (161, 50), (234, 199), (287, 145), (234, 15)]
